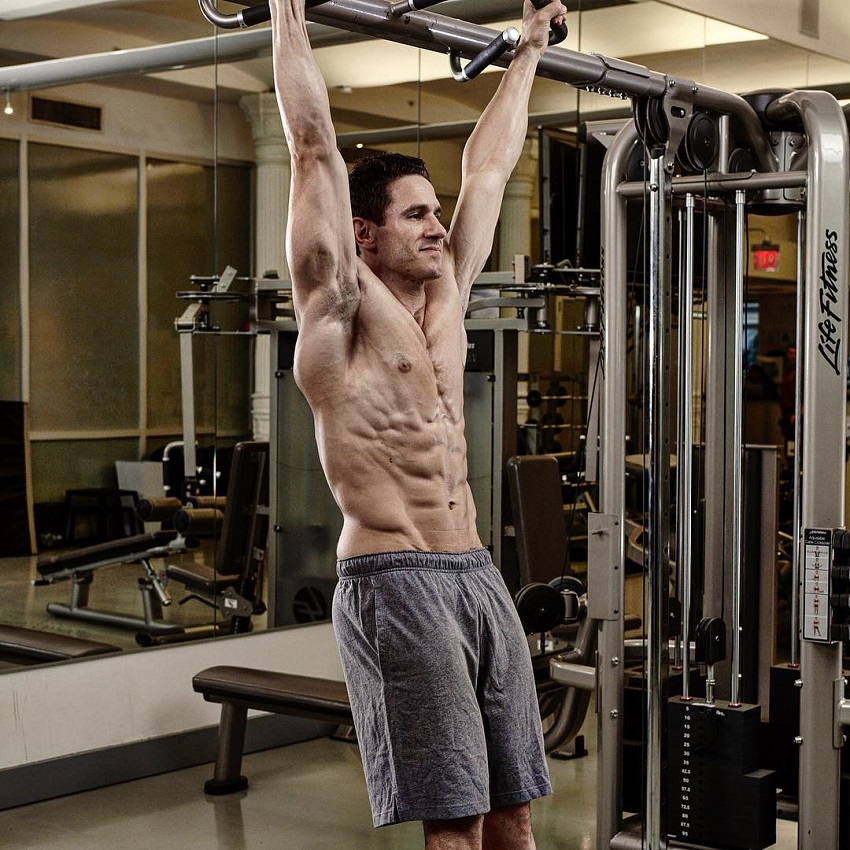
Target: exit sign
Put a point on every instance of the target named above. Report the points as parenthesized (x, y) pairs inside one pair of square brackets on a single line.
[(766, 259)]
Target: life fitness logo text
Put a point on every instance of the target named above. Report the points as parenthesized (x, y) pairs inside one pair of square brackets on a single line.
[(830, 327)]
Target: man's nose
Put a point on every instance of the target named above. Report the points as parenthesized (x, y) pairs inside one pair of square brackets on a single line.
[(435, 227)]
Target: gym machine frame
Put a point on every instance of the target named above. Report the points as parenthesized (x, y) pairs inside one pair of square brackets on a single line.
[(673, 102), (822, 445)]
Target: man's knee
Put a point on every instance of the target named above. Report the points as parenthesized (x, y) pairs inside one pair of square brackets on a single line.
[(453, 834), (508, 828)]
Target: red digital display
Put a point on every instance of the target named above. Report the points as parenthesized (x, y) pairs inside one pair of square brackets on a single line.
[(766, 259)]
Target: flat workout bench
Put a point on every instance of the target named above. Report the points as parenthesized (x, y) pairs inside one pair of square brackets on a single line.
[(241, 688), (29, 646)]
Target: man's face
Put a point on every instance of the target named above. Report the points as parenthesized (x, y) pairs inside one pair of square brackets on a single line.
[(410, 241)]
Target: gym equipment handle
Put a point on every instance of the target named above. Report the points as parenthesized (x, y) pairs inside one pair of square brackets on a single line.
[(248, 17), (502, 43)]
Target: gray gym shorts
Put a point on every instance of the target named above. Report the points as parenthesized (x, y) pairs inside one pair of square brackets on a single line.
[(442, 690)]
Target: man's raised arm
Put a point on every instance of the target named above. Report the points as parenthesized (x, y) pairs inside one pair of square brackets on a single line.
[(494, 147), (320, 240)]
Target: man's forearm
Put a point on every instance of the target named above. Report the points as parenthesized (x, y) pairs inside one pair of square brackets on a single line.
[(496, 143), (497, 140), (301, 92)]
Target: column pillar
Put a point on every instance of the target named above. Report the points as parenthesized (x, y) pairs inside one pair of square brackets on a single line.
[(272, 173), (515, 238), (515, 218)]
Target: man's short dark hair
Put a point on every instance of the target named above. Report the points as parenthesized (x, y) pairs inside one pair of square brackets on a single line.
[(371, 178)]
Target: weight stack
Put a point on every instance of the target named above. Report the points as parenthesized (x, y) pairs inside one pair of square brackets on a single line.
[(717, 794)]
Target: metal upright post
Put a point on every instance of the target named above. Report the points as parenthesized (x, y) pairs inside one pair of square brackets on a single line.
[(823, 446), (608, 607)]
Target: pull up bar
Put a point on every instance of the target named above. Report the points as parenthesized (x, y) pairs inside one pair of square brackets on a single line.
[(259, 14), (592, 72), (401, 7), (443, 34), (500, 45)]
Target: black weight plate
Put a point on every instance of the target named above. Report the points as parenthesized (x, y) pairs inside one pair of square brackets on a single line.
[(540, 607), (573, 583)]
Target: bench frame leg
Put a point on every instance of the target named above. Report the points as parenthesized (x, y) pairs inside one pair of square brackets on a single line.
[(231, 742)]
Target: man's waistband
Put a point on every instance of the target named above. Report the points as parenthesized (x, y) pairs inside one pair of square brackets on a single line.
[(380, 562)]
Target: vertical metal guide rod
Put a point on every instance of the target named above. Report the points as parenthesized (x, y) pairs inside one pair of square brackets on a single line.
[(660, 232), (684, 455), (738, 442)]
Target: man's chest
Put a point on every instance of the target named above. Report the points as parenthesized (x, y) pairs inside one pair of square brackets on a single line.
[(423, 363)]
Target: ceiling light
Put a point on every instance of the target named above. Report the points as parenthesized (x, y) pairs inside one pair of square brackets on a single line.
[(8, 110), (10, 10)]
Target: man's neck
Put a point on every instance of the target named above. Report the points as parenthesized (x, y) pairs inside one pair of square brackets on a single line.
[(411, 296), (408, 292)]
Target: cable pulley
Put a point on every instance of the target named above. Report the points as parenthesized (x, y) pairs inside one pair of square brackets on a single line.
[(700, 144), (651, 123)]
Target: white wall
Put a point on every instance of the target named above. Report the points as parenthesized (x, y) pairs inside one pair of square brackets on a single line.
[(141, 122), (63, 709), (784, 20)]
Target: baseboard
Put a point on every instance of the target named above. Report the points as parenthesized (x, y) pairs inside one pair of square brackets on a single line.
[(32, 783)]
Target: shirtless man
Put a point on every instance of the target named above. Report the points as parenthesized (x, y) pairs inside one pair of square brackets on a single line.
[(436, 662)]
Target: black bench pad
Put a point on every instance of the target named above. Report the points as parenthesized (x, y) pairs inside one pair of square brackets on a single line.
[(241, 688), (32, 645), (127, 547), (280, 693)]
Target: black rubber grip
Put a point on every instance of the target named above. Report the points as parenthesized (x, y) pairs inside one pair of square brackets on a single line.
[(254, 15), (487, 56), (558, 32)]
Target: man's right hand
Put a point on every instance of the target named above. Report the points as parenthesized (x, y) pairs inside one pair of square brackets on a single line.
[(536, 23)]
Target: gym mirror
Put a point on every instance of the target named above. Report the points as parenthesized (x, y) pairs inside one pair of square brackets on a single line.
[(115, 193)]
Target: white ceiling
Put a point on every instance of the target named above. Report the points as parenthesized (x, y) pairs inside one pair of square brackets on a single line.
[(656, 34)]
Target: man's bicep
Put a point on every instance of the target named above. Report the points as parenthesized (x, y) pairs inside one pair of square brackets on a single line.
[(320, 239)]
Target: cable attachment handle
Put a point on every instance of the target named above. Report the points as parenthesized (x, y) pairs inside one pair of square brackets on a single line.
[(557, 32), (506, 40), (248, 17)]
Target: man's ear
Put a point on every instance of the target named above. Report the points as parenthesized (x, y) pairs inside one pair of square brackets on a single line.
[(364, 233)]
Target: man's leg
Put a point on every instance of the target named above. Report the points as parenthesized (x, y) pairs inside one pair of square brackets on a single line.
[(454, 834), (508, 828)]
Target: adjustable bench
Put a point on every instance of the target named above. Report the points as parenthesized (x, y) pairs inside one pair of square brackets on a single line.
[(241, 688), (79, 565), (29, 646), (233, 586)]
